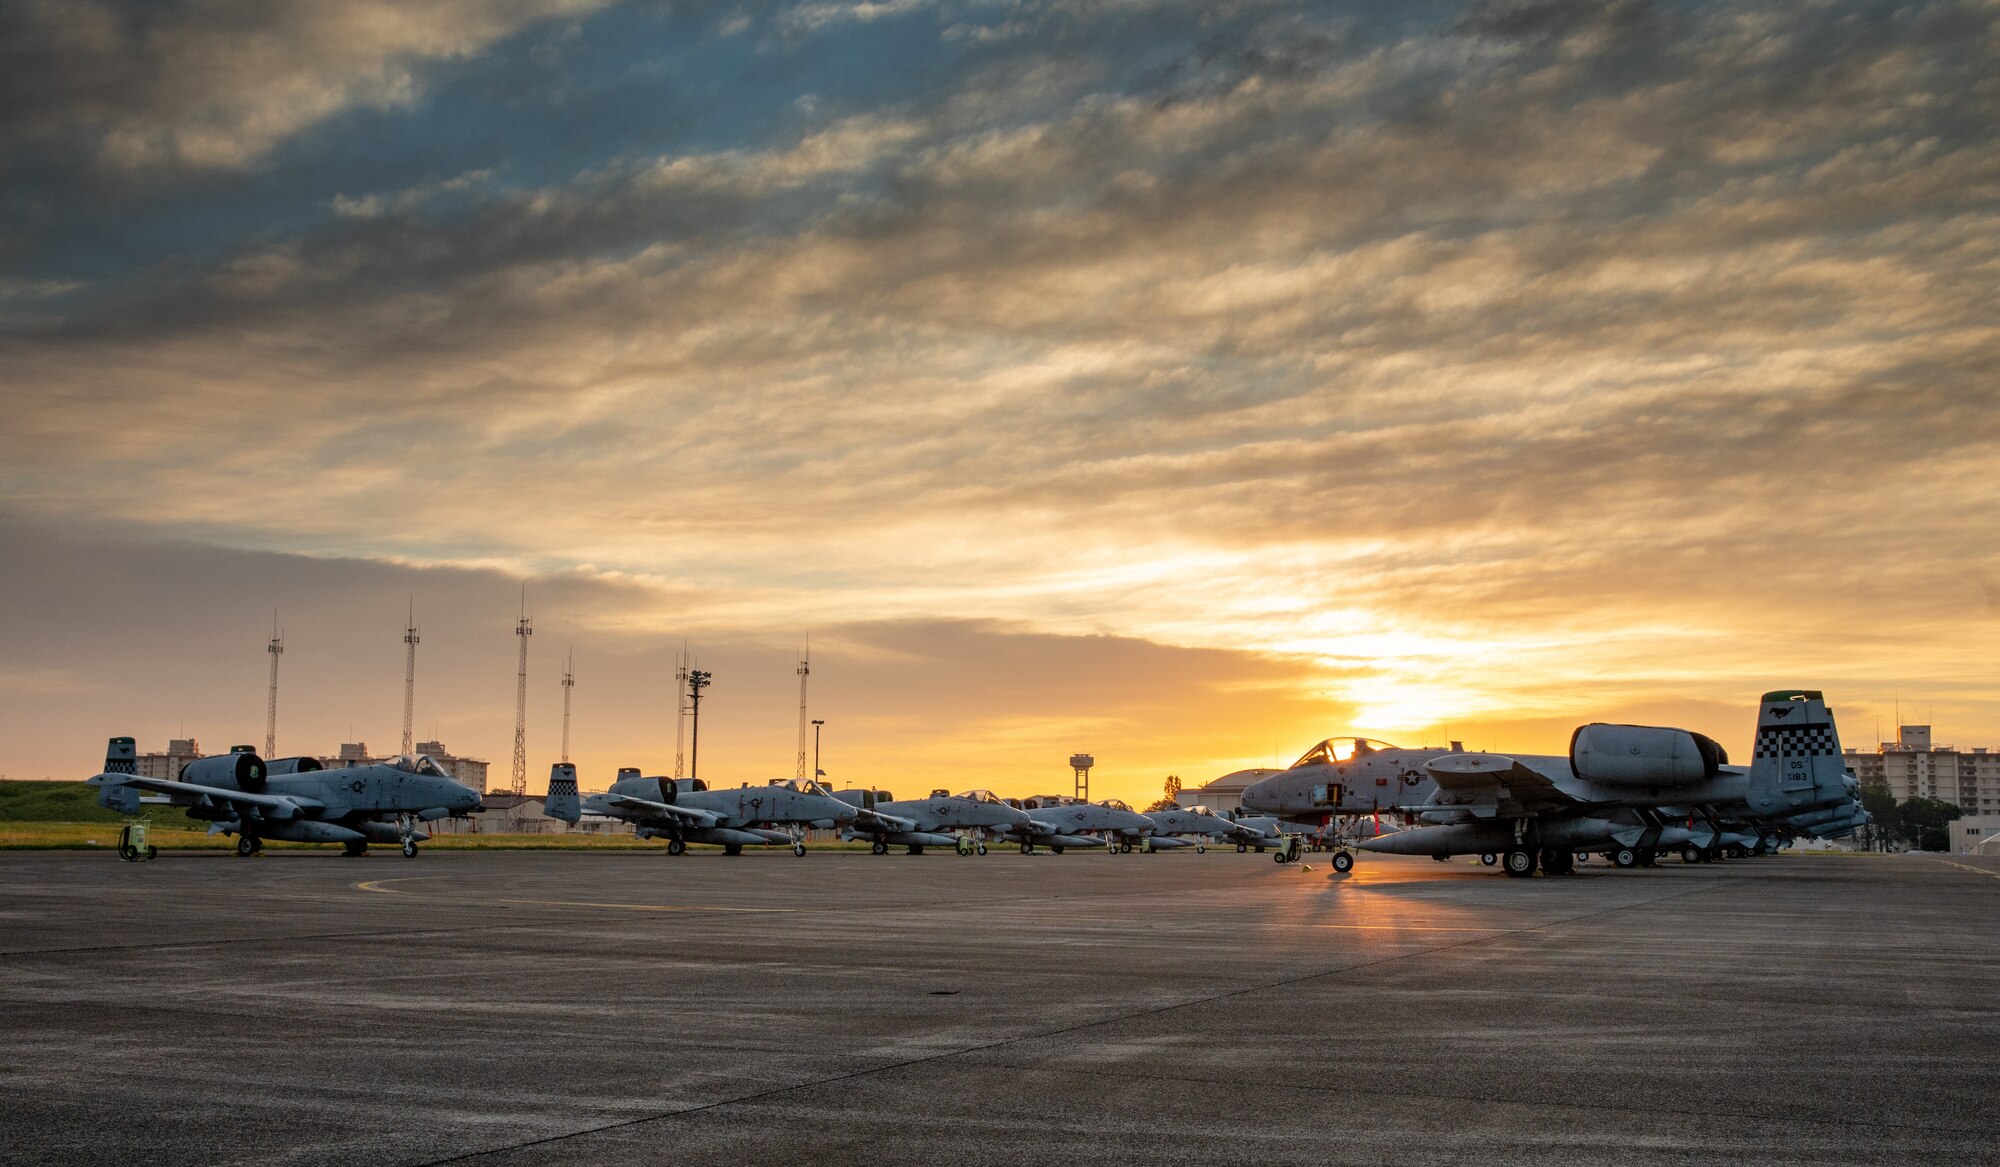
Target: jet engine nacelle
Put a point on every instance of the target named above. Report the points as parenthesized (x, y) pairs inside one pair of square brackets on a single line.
[(242, 771), (1643, 755)]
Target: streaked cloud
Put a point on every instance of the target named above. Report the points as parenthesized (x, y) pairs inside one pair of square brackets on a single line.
[(221, 82)]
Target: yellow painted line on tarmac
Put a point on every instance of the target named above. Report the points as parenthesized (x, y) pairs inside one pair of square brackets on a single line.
[(1969, 867), (649, 907), (375, 885)]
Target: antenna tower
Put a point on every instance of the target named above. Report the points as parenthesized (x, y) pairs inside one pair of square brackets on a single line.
[(277, 649), (410, 681), (523, 628), (805, 671), (680, 711), (569, 683), (1081, 763)]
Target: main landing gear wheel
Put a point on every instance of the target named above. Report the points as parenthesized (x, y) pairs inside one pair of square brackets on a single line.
[(409, 848), (979, 848), (1124, 847), (676, 847), (1488, 859), (1240, 848), (799, 849), (1690, 854), (1343, 861), (1519, 862), (878, 848), (246, 845), (353, 849), (1054, 850), (916, 848), (1027, 848), (1625, 857), (1442, 858), (1558, 862), (732, 848)]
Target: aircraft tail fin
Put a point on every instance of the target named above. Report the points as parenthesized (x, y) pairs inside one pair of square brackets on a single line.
[(1796, 764), (121, 756), (120, 759), (562, 802)]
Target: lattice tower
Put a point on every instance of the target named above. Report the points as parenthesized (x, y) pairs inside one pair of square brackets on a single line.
[(410, 639), (805, 671), (277, 649), (523, 628)]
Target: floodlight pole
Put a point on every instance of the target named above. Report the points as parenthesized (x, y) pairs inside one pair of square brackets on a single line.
[(697, 681), (817, 772)]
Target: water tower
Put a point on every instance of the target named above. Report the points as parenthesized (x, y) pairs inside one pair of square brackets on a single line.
[(1081, 763)]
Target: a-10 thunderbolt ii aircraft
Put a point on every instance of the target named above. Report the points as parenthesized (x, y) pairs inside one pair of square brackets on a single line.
[(1171, 827), (293, 799), (1610, 791), (916, 823), (1057, 821), (686, 810)]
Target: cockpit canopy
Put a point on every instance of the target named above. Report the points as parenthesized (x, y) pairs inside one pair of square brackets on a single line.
[(1115, 804), (979, 796), (418, 764), (1340, 749)]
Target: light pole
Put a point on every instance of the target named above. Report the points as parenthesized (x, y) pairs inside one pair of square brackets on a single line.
[(817, 772), (697, 681)]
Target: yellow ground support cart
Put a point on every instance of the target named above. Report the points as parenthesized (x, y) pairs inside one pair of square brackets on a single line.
[(132, 844)]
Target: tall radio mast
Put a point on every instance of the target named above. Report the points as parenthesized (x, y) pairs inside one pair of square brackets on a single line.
[(410, 681), (277, 649), (523, 628), (569, 683), (681, 711), (805, 671)]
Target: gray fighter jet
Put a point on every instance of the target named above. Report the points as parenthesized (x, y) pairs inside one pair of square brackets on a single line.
[(1058, 821), (924, 822), (1170, 828), (1613, 789), (686, 810), (294, 799), (1255, 831)]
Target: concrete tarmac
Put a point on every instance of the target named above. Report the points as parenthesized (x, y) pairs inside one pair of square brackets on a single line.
[(519, 1008)]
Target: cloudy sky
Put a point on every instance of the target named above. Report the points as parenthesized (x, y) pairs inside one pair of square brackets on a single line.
[(1182, 382)]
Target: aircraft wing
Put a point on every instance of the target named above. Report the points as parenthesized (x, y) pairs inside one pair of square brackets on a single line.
[(281, 806), (875, 820), (700, 818), (1490, 785)]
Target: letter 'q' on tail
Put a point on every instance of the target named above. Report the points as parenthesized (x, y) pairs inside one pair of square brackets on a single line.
[(1796, 764), (562, 801)]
